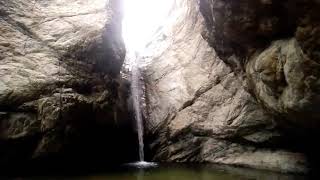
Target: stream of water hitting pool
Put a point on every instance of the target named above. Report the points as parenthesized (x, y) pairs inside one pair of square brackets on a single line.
[(142, 19), (135, 75), (136, 97)]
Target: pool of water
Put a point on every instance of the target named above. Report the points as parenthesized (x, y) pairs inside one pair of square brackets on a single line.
[(133, 171)]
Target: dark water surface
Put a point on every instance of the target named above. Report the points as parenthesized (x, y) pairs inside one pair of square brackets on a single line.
[(169, 172)]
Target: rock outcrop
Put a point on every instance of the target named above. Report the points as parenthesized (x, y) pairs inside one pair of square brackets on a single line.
[(235, 82), (60, 90)]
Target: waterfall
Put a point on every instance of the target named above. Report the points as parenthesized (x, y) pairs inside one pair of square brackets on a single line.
[(135, 90)]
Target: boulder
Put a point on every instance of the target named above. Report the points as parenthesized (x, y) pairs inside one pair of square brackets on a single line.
[(60, 89), (235, 82)]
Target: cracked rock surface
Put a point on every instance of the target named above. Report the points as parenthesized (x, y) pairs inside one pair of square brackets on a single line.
[(60, 90), (235, 82)]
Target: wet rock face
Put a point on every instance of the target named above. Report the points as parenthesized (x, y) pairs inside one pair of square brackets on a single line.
[(241, 27), (235, 82), (282, 74), (59, 84), (286, 81)]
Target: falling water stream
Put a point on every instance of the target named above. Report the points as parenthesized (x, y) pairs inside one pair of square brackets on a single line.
[(135, 90), (136, 105), (142, 18)]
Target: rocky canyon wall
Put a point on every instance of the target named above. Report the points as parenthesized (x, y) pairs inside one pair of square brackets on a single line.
[(235, 82), (230, 82), (60, 90)]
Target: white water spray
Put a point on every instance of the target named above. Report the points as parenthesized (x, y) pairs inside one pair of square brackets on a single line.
[(135, 89)]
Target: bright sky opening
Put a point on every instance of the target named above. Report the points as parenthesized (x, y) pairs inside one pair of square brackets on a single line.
[(141, 20)]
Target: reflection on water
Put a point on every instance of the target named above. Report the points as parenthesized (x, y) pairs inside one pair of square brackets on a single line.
[(140, 174), (176, 172)]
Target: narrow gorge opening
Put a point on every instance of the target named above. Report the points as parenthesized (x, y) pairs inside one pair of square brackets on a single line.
[(142, 19)]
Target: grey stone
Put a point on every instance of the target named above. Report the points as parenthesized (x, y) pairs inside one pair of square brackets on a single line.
[(59, 70), (232, 95)]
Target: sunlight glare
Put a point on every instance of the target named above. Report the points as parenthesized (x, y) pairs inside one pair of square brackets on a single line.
[(141, 19)]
